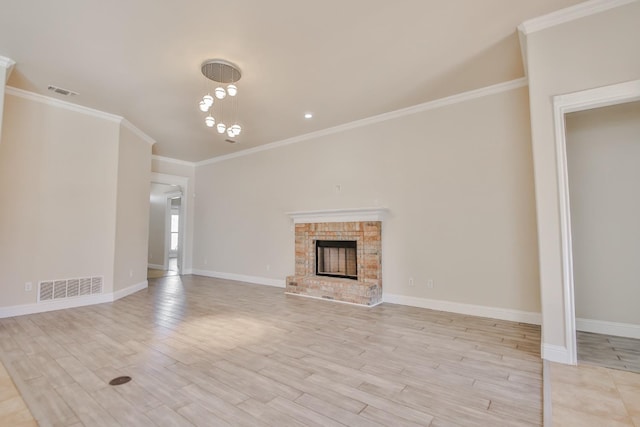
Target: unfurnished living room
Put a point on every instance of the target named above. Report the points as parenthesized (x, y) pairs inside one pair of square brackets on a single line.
[(340, 213)]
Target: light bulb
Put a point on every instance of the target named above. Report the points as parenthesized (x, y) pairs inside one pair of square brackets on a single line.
[(236, 129), (232, 90), (204, 107), (210, 121), (221, 127), (220, 92), (208, 99), (230, 132)]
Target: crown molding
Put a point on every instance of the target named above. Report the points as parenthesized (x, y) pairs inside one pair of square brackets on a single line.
[(568, 14), (174, 161), (7, 63), (127, 124), (430, 105), (32, 96), (21, 93)]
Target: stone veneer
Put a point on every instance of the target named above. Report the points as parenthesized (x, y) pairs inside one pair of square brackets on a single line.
[(367, 290)]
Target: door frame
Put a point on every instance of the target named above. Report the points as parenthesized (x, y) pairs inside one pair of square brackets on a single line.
[(183, 182), (563, 104)]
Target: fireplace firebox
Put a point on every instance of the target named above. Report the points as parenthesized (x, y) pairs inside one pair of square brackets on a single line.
[(337, 258)]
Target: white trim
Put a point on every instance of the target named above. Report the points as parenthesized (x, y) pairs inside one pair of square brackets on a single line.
[(468, 309), (571, 13), (174, 161), (7, 64), (563, 104), (41, 307), (185, 223), (627, 330), (127, 124), (333, 300), (430, 105), (556, 353), (339, 215), (155, 266), (31, 96), (279, 283), (130, 290), (62, 304)]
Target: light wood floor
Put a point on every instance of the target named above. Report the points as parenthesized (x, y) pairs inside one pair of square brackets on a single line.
[(211, 352), (609, 351), (13, 411)]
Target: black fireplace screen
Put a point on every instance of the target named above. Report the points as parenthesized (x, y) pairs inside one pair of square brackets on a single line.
[(336, 258)]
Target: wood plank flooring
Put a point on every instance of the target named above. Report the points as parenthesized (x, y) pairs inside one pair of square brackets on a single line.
[(209, 352), (609, 351)]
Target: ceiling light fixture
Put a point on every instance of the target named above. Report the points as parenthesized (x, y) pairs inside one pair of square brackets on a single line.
[(224, 73), (308, 115)]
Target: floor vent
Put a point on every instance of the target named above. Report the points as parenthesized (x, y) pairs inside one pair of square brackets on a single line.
[(50, 290)]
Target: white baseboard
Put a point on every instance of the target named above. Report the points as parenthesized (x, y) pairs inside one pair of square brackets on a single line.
[(555, 353), (628, 330), (19, 310), (156, 266), (130, 290), (42, 307), (469, 309), (187, 271), (279, 283)]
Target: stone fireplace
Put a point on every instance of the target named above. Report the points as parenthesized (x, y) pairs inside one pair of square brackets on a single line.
[(338, 255)]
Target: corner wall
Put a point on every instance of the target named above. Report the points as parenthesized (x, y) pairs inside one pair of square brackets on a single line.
[(585, 53), (132, 215), (75, 192), (58, 174)]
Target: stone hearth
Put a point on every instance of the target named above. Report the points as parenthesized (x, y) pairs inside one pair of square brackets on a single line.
[(367, 289)]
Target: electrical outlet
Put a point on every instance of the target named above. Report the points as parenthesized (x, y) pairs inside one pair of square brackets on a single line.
[(268, 267), (28, 286), (205, 261), (430, 283), (410, 281), (130, 273), (338, 188)]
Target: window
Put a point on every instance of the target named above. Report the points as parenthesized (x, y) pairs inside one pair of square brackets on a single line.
[(175, 226)]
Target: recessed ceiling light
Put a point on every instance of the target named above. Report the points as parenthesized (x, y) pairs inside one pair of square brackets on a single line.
[(308, 115)]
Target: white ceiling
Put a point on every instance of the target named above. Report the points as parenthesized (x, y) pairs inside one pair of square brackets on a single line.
[(343, 60)]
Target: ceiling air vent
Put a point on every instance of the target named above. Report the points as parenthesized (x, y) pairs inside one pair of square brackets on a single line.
[(61, 91), (230, 141)]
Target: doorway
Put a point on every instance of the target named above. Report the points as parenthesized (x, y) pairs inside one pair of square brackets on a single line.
[(165, 230), (563, 105), (603, 164)]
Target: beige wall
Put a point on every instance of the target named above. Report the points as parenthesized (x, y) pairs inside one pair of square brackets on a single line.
[(59, 183), (188, 199), (458, 181), (593, 51), (132, 215), (603, 153)]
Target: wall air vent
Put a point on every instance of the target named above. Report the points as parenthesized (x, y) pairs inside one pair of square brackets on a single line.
[(230, 141), (49, 290), (61, 91)]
